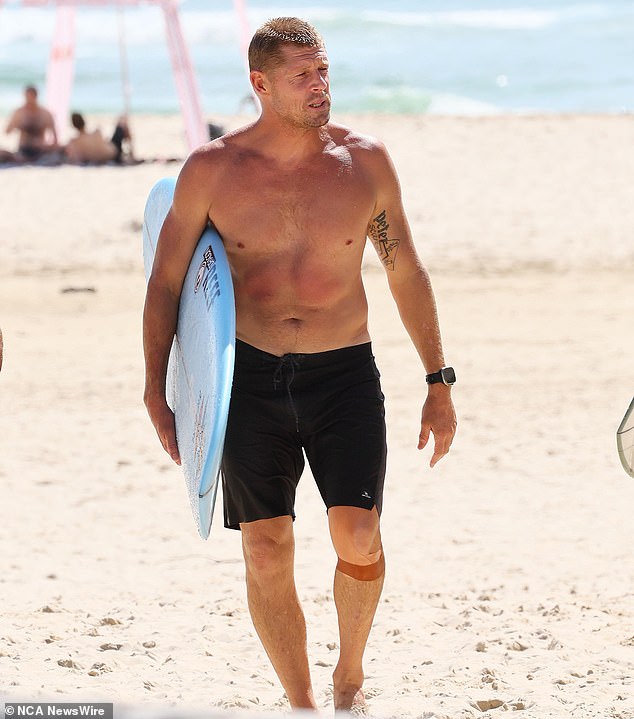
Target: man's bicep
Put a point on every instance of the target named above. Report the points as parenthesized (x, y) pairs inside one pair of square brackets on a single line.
[(388, 228), (390, 234), (182, 228), (174, 250), (383, 231), (50, 122)]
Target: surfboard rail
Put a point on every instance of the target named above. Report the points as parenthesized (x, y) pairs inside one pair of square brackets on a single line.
[(625, 440)]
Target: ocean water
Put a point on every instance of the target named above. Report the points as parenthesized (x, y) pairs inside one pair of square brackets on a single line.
[(460, 57)]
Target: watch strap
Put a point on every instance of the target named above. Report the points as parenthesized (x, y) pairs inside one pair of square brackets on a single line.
[(434, 377), (446, 375)]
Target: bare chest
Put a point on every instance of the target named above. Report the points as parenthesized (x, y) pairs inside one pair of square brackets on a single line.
[(269, 209)]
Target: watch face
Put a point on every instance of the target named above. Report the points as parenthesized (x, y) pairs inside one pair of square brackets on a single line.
[(448, 375)]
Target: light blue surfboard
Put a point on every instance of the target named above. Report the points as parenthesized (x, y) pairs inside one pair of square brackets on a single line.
[(200, 370), (625, 440)]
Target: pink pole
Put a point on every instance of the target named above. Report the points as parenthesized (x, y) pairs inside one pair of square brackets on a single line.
[(195, 128), (59, 75), (245, 33), (245, 39)]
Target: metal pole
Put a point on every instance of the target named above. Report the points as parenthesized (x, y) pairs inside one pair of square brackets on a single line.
[(123, 61)]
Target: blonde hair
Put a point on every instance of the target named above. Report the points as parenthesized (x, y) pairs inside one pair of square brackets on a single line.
[(265, 49)]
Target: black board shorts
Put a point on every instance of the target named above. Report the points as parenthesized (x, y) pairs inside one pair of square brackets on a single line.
[(328, 405)]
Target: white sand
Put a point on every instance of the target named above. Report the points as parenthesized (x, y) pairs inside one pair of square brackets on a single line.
[(510, 577)]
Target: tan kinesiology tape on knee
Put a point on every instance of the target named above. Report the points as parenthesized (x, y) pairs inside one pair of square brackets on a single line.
[(363, 572)]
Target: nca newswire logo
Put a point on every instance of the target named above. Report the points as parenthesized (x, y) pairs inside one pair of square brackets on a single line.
[(44, 709)]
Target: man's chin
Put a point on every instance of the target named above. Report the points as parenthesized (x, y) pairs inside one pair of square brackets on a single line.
[(312, 120), (320, 120)]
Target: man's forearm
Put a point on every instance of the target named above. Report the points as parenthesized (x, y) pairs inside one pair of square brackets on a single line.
[(417, 308), (159, 325)]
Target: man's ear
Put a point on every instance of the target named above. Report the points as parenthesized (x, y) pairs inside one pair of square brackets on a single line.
[(259, 82)]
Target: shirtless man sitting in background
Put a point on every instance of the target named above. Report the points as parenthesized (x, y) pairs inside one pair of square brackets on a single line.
[(294, 198), (36, 127)]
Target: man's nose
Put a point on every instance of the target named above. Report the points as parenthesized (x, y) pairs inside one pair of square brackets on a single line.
[(320, 83)]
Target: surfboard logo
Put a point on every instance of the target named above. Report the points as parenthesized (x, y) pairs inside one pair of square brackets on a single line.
[(207, 277)]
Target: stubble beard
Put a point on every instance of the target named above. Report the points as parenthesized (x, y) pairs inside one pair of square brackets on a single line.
[(310, 120), (318, 121), (323, 118), (306, 120)]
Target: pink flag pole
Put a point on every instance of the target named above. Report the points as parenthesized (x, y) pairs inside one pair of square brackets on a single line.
[(59, 75), (245, 39), (245, 33), (195, 128)]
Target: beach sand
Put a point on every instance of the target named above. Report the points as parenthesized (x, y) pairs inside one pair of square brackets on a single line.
[(510, 582)]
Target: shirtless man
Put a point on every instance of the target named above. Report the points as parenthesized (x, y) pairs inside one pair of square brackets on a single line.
[(36, 127), (294, 198)]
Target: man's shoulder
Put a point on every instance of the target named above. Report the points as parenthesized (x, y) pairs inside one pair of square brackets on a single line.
[(211, 156), (206, 168), (354, 140), (366, 151), (44, 113)]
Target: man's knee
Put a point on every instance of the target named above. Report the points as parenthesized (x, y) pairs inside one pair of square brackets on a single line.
[(268, 546), (356, 536)]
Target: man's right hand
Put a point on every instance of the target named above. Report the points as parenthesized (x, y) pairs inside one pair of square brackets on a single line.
[(163, 420)]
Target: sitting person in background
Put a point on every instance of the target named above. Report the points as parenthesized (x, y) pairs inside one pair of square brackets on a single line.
[(36, 127), (92, 147), (6, 156)]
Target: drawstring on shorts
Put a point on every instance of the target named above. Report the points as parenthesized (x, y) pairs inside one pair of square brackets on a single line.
[(287, 362)]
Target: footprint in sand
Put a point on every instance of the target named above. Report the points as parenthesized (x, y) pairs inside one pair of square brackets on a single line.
[(484, 705), (98, 669), (69, 664), (108, 646)]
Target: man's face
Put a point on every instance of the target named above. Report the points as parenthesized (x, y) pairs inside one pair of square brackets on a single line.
[(300, 87), (30, 97)]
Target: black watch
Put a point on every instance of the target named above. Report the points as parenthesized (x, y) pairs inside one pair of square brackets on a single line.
[(446, 375)]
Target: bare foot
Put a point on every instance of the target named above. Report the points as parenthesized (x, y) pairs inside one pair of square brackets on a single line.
[(352, 702)]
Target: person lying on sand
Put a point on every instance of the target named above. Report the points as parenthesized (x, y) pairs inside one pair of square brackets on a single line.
[(6, 156), (92, 147)]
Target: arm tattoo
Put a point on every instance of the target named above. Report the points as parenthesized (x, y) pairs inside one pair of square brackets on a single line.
[(386, 248)]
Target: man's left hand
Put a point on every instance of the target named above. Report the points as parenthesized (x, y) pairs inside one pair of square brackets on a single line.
[(439, 419)]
